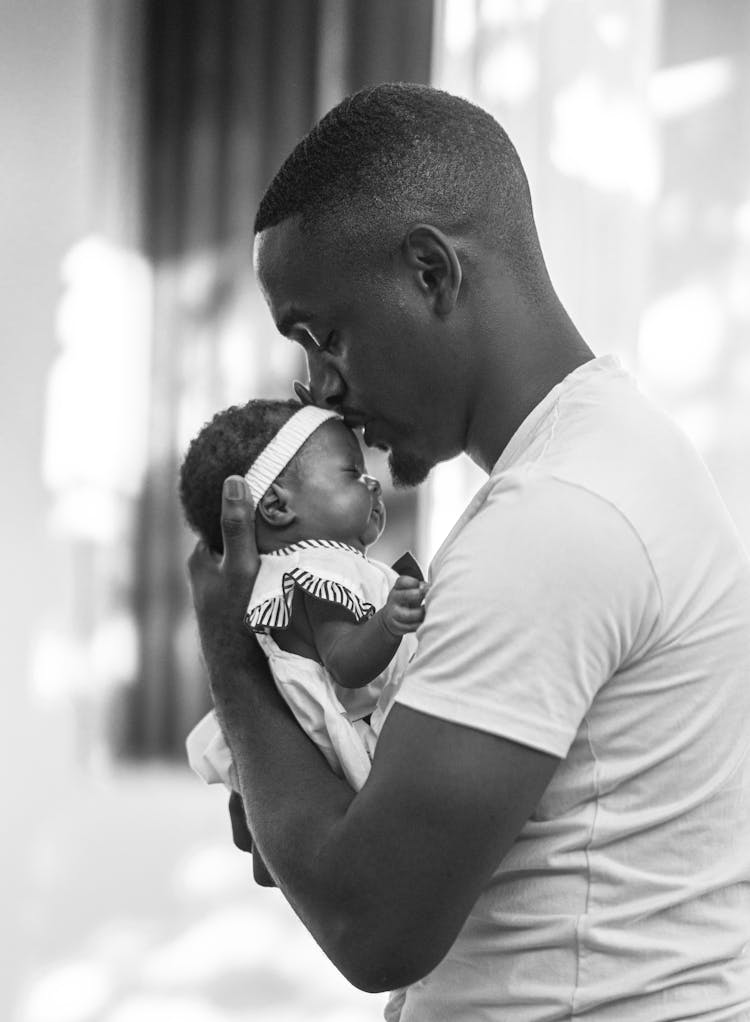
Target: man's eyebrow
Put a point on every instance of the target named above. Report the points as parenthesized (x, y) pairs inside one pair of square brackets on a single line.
[(290, 319)]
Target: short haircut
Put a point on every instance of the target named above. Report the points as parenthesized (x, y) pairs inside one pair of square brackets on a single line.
[(226, 446), (400, 153)]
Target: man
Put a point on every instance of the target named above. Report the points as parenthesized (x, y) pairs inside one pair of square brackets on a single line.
[(557, 821)]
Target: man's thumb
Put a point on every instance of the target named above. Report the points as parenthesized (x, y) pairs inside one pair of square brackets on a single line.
[(237, 528)]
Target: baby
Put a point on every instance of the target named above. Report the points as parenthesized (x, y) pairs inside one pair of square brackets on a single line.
[(335, 626)]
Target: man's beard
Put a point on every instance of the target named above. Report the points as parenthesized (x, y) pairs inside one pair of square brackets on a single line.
[(407, 469)]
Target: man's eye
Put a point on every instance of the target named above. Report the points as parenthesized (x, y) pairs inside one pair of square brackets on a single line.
[(329, 343)]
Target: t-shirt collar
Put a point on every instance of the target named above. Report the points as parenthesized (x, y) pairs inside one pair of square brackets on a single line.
[(538, 415)]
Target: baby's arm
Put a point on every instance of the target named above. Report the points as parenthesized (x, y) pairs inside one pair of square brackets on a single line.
[(356, 653)]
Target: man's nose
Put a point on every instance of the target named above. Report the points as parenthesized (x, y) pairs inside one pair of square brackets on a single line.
[(327, 388)]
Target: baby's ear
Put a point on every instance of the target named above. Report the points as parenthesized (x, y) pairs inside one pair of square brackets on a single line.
[(275, 507)]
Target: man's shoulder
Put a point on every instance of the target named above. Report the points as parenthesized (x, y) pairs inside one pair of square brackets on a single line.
[(547, 499), (617, 447), (533, 522)]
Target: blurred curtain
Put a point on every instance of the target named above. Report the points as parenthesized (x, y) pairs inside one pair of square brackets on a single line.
[(228, 89)]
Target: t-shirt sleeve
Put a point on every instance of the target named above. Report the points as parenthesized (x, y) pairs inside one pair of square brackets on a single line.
[(541, 597)]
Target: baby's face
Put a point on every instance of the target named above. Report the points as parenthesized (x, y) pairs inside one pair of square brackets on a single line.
[(336, 498)]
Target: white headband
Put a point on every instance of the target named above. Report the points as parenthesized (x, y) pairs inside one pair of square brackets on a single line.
[(277, 454)]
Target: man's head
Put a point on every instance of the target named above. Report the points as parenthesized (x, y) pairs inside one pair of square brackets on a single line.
[(397, 154), (381, 245)]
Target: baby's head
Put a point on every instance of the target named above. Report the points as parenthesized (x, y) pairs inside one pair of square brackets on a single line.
[(305, 470)]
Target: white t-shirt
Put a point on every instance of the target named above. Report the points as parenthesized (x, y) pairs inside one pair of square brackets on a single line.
[(594, 602)]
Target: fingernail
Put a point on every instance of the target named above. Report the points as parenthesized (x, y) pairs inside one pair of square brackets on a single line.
[(234, 489)]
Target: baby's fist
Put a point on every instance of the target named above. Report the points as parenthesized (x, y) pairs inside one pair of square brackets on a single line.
[(404, 609)]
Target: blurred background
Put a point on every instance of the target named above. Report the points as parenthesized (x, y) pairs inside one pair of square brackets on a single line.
[(137, 138)]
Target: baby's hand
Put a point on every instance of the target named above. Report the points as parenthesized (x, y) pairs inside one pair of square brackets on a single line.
[(404, 609)]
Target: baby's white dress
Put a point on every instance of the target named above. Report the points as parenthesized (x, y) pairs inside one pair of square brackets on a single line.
[(333, 716)]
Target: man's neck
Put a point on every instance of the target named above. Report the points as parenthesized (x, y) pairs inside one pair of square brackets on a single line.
[(511, 386)]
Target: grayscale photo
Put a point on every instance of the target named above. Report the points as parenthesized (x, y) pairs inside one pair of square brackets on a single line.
[(376, 430)]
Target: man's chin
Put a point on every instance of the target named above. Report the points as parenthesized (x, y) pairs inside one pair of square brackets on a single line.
[(407, 469)]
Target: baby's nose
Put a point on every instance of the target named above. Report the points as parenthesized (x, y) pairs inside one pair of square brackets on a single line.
[(372, 484)]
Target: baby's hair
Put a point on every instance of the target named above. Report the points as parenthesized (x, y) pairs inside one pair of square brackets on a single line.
[(226, 446)]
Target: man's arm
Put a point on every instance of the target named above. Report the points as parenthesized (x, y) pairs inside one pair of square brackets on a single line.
[(385, 879), (355, 653)]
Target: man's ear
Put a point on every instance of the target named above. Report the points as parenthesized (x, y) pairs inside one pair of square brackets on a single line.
[(433, 258), (275, 507)]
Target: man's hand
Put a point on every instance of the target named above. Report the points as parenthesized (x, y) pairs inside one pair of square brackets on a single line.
[(404, 609), (221, 586), (240, 832), (244, 841), (221, 591)]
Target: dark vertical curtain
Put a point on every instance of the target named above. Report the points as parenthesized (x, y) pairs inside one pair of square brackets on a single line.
[(229, 87)]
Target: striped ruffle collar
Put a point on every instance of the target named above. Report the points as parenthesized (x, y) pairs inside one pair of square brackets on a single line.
[(311, 544), (274, 610)]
